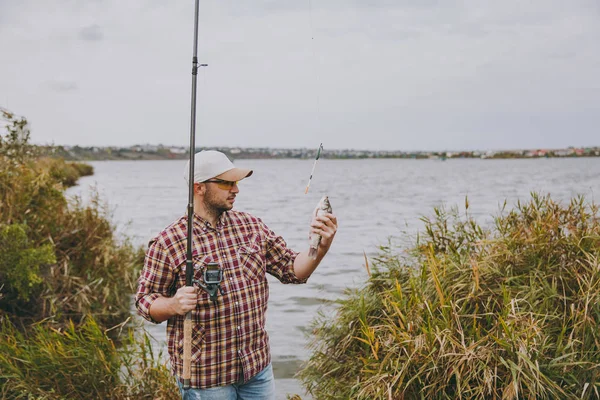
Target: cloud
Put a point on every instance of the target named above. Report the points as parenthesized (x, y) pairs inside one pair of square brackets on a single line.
[(413, 74), (92, 33), (63, 86)]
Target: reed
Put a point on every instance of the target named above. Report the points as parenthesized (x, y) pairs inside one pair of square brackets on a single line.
[(79, 362), (67, 173), (505, 312)]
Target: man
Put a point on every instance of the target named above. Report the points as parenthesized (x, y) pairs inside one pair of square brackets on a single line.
[(230, 347)]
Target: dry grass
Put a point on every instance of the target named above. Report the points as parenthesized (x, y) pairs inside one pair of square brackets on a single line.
[(506, 313), (79, 362)]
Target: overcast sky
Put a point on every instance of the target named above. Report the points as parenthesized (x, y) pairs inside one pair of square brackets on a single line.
[(364, 74)]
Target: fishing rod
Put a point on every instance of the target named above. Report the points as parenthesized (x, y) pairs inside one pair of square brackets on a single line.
[(189, 264), (316, 77), (313, 168)]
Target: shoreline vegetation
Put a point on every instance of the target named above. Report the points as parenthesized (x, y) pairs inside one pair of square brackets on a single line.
[(161, 152), (66, 285), (504, 311)]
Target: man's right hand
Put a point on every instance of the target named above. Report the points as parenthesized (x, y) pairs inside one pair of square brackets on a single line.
[(185, 299)]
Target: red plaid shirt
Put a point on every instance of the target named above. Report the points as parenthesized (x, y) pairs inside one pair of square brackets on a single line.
[(229, 339)]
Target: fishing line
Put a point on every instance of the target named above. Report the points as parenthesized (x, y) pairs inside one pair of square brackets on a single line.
[(316, 86), (314, 56)]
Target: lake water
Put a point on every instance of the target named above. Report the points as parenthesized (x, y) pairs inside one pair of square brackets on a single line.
[(373, 200)]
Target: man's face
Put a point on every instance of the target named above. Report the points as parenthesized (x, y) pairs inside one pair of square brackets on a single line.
[(220, 195)]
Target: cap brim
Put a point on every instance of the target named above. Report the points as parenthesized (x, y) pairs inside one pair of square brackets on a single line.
[(235, 174)]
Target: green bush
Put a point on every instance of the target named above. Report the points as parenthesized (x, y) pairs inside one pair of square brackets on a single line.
[(506, 312), (20, 265), (14, 145)]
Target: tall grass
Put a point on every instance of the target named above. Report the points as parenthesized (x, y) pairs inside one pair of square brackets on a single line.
[(95, 274), (79, 362), (501, 313), (67, 173)]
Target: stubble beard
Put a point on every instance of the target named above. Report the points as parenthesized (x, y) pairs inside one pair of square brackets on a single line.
[(214, 206)]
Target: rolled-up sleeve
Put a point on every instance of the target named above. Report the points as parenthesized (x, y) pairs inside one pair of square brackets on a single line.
[(280, 258), (155, 280)]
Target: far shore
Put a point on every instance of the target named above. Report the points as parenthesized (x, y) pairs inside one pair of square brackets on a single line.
[(160, 152)]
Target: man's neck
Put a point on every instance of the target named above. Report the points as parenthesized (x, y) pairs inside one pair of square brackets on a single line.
[(211, 216)]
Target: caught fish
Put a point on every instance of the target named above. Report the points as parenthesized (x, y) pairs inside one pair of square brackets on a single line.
[(323, 207)]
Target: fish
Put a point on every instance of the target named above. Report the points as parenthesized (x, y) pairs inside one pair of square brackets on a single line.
[(322, 208)]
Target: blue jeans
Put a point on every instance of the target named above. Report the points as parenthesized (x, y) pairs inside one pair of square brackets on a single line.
[(259, 387)]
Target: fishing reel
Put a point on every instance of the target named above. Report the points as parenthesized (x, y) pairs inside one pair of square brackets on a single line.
[(213, 276)]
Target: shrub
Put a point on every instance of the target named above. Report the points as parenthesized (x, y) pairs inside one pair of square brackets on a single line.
[(62, 267), (507, 312), (30, 195), (20, 266), (91, 272), (14, 145)]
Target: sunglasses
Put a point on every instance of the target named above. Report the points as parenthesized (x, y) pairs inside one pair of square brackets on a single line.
[(225, 185)]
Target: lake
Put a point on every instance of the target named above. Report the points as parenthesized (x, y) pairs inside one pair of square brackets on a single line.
[(373, 199)]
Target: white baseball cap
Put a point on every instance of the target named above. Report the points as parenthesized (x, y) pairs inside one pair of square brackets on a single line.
[(210, 164)]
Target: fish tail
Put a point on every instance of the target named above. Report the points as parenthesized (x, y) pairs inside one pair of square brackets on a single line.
[(312, 253)]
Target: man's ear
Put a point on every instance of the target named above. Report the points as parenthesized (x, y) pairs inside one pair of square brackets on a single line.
[(199, 188)]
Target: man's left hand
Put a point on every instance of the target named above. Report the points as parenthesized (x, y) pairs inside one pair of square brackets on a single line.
[(326, 226)]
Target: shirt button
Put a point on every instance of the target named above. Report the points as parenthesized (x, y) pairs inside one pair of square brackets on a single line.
[(239, 327), (237, 304), (231, 278)]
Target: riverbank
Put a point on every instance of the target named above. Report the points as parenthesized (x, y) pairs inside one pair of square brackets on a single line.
[(160, 152), (460, 260)]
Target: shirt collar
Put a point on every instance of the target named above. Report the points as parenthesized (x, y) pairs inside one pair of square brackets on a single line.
[(222, 221)]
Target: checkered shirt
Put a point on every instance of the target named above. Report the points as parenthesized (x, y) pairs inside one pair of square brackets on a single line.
[(229, 340)]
